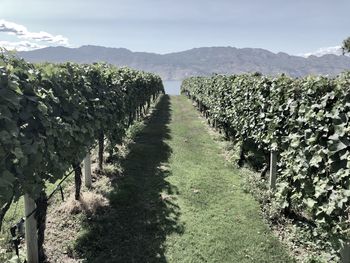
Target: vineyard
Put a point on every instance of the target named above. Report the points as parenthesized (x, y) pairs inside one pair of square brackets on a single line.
[(53, 115), (305, 122), (171, 196)]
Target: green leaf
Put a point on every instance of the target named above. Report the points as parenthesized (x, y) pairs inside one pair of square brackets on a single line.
[(315, 160), (310, 202), (6, 178)]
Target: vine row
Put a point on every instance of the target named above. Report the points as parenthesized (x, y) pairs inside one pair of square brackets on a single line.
[(52, 114), (305, 120)]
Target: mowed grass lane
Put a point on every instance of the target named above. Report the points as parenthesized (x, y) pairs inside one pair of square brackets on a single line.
[(221, 222)]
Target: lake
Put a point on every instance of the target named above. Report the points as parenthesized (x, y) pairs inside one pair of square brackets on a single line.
[(172, 87)]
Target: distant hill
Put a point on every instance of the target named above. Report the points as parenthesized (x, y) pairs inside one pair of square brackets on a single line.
[(197, 61)]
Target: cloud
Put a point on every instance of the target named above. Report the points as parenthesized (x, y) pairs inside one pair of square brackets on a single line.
[(337, 50), (22, 32), (20, 46)]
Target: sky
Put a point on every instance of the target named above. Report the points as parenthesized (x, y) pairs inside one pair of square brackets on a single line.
[(297, 27)]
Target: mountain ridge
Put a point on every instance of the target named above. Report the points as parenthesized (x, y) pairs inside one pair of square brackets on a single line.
[(196, 61)]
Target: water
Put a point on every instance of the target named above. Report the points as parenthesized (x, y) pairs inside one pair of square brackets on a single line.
[(172, 87)]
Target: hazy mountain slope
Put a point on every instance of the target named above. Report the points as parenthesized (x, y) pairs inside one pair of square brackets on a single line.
[(197, 61)]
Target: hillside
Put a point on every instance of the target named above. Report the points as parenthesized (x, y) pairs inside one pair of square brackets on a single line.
[(197, 61)]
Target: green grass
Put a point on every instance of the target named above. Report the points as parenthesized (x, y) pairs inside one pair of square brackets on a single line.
[(178, 201)]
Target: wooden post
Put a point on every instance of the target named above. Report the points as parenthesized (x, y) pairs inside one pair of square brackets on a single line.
[(273, 170), (87, 170), (100, 150), (31, 234), (345, 253)]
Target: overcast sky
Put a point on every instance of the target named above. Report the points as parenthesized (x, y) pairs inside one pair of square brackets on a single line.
[(162, 26)]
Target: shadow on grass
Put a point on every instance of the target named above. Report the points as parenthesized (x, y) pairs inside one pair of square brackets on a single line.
[(142, 211)]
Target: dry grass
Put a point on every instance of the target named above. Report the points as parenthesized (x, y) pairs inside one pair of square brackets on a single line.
[(64, 224), (88, 203)]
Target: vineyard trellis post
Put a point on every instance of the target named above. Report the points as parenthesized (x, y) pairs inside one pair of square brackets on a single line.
[(345, 253), (87, 170), (273, 170), (31, 234), (100, 150)]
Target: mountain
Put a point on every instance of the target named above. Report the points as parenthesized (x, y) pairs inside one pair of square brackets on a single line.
[(197, 61)]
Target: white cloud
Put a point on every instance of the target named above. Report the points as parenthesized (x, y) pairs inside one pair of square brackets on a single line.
[(22, 32), (20, 46), (337, 50)]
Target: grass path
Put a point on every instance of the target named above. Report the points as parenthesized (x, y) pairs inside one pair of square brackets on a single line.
[(179, 201)]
